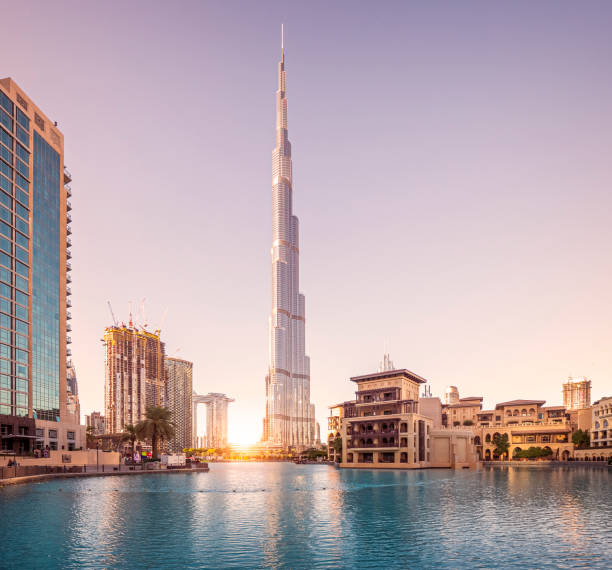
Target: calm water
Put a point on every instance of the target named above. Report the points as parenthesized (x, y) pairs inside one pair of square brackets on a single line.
[(284, 515)]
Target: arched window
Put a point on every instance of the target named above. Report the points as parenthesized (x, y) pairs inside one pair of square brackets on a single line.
[(370, 427), (404, 427), (515, 413), (523, 412), (531, 412), (477, 440), (391, 425), (369, 441), (508, 412), (597, 425), (488, 438), (362, 441), (404, 442), (605, 423), (384, 427)]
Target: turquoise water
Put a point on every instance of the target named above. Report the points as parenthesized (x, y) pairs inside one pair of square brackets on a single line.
[(310, 516)]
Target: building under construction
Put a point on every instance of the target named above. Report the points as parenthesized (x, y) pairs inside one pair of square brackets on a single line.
[(134, 377)]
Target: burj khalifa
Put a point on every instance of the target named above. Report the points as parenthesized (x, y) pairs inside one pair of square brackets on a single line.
[(289, 420)]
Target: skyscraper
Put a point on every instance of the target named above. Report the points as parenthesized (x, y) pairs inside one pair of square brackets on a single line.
[(289, 418), (35, 271), (216, 418), (577, 393), (134, 378), (179, 388)]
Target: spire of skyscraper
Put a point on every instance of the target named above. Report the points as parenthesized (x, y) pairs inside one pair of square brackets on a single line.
[(289, 417)]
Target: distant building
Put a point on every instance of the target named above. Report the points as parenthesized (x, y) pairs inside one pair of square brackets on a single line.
[(35, 295), (334, 429), (135, 375), (216, 418), (385, 428), (577, 393), (451, 395), (527, 423), (601, 430), (462, 412), (179, 380), (97, 422), (318, 434), (73, 407)]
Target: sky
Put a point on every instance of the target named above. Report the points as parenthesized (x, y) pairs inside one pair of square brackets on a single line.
[(452, 177)]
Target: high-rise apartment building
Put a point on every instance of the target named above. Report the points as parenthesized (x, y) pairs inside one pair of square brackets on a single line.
[(73, 407), (135, 377), (216, 418), (97, 422), (576, 393), (179, 389), (289, 419), (34, 271)]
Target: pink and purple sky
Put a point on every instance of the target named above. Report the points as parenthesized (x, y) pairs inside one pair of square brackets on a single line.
[(452, 169)]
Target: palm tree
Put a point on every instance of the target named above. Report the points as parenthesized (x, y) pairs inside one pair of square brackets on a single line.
[(129, 434), (156, 427)]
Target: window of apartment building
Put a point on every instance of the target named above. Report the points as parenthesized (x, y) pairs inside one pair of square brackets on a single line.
[(52, 434), (6, 429), (53, 445), (70, 435), (40, 433), (23, 430)]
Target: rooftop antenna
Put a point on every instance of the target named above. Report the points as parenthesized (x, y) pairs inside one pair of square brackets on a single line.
[(283, 42)]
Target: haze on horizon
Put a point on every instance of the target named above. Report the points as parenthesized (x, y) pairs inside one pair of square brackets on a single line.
[(451, 172)]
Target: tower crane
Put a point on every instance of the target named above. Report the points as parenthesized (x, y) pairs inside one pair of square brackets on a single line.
[(110, 308)]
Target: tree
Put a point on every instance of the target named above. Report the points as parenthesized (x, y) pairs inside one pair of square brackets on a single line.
[(502, 445), (156, 427), (581, 438), (533, 453), (129, 434), (337, 445)]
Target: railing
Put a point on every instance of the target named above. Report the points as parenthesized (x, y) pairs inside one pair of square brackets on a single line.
[(68, 340), (68, 205), (68, 230), (69, 218), (68, 191)]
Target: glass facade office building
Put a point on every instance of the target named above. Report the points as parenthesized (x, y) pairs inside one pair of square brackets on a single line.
[(34, 254)]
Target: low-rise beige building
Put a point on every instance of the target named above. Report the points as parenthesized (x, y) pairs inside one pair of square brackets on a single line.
[(527, 423), (384, 427), (601, 423)]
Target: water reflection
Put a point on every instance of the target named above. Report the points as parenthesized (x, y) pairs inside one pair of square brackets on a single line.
[(283, 515)]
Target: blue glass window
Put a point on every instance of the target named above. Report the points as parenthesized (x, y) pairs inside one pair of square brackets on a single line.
[(21, 356), (6, 170), (22, 182), (23, 137), (23, 119), (21, 240), (21, 370), (22, 196), (5, 245), (22, 226), (5, 321), (5, 351), (21, 312), (21, 341), (5, 260), (6, 216), (5, 381), (21, 327), (5, 306), (23, 212), (6, 120), (5, 336), (22, 269), (5, 290), (6, 139), (23, 154), (21, 254), (5, 275), (6, 200), (5, 366), (20, 282), (6, 185), (6, 102), (6, 154), (22, 168)]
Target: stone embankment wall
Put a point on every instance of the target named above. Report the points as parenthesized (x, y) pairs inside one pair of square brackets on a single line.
[(67, 458)]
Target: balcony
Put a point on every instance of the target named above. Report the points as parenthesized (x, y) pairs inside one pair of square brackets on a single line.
[(68, 327), (68, 230), (68, 266), (68, 340), (68, 254), (69, 218), (68, 242), (68, 291), (67, 176), (68, 206), (68, 303), (68, 352), (68, 315), (68, 191), (68, 278)]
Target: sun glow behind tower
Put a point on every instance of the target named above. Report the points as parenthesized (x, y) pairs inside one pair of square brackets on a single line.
[(289, 417)]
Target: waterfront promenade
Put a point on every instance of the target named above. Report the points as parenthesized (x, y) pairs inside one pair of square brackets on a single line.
[(281, 515)]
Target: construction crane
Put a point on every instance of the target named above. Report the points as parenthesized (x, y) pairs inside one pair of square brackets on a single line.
[(110, 308)]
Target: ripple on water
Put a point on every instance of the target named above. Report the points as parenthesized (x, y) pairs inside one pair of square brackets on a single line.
[(283, 515)]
